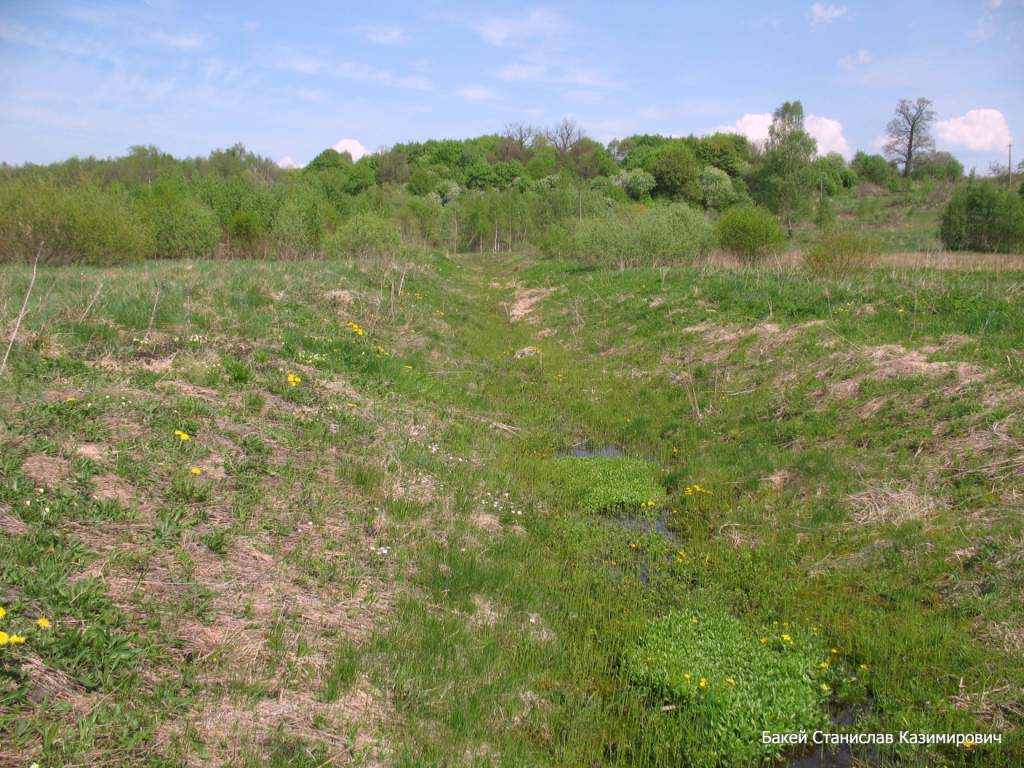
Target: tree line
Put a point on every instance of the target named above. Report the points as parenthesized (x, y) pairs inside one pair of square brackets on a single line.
[(522, 187)]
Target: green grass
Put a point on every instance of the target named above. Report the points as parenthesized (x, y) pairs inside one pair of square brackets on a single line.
[(384, 562), (729, 684)]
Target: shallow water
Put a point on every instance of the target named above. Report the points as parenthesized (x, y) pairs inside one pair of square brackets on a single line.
[(657, 525)]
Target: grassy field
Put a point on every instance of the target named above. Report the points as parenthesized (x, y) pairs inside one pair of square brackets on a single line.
[(302, 514)]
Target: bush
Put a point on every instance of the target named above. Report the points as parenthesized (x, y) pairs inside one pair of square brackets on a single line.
[(750, 232), (836, 254), (873, 168), (364, 236), (637, 183), (983, 217), (86, 225), (660, 234), (717, 187), (180, 226), (730, 683)]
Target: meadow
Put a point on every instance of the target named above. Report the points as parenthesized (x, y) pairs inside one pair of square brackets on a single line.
[(328, 512)]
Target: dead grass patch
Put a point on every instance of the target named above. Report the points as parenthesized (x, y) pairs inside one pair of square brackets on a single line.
[(525, 301), (891, 504)]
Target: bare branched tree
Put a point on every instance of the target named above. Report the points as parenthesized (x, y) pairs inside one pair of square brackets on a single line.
[(910, 134), (520, 134), (563, 137)]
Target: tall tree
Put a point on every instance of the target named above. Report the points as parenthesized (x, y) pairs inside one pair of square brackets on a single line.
[(563, 137), (910, 134), (787, 181)]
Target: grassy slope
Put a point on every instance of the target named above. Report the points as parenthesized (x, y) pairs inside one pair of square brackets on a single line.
[(370, 566)]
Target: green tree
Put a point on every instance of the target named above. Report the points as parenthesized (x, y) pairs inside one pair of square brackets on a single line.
[(910, 136), (677, 172), (787, 182)]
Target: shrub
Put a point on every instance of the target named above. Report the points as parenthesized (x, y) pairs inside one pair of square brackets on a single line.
[(873, 168), (750, 232), (605, 484), (86, 225), (364, 236), (730, 684), (717, 188), (659, 234), (983, 217), (180, 226), (637, 183), (836, 254)]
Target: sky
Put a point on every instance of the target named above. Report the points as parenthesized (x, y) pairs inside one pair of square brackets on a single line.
[(291, 79)]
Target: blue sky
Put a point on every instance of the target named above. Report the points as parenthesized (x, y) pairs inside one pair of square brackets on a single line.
[(287, 80)]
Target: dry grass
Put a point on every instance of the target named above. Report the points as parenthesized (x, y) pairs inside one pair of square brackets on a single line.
[(891, 504)]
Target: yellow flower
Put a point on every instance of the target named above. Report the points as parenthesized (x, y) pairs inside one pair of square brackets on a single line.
[(835, 650), (687, 676), (71, 398), (3, 611), (43, 623), (825, 688), (294, 380), (764, 640), (351, 405), (695, 621), (17, 639), (440, 313), (183, 436), (787, 639), (863, 666), (196, 471), (4, 638), (824, 664), (730, 680), (703, 682)]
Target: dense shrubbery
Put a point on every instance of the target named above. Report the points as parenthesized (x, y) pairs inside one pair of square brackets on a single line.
[(983, 217), (837, 254), (364, 236), (86, 225), (750, 232), (660, 234)]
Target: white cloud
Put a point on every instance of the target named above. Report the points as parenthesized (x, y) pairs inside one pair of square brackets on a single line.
[(302, 64), (825, 14), (476, 92), (753, 125), (310, 94), (538, 23), (829, 135), (854, 60), (385, 35), (522, 72), (979, 130), (352, 146), (826, 131), (185, 42), (286, 162)]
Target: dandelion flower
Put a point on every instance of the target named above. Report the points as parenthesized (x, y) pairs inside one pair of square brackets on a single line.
[(196, 471), (3, 611), (17, 640), (294, 380), (71, 398), (824, 664), (864, 666), (43, 623), (703, 682), (835, 650), (182, 435), (787, 639), (4, 638), (731, 680), (825, 688)]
